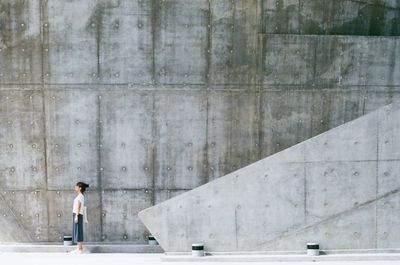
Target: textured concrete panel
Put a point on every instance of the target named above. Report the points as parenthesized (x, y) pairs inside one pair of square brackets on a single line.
[(273, 205), (22, 161), (163, 195), (126, 138), (388, 176), (349, 183), (29, 210), (294, 154), (244, 130), (286, 117), (342, 60), (338, 232), (234, 42), (330, 60), (383, 67), (289, 59), (292, 115), (281, 16), (60, 215), (233, 138), (10, 223), (73, 51), (281, 208), (181, 138), (201, 205), (333, 107), (344, 144), (20, 47), (120, 219), (378, 96), (341, 17), (100, 46), (389, 140), (388, 221), (72, 138), (181, 45), (125, 41)]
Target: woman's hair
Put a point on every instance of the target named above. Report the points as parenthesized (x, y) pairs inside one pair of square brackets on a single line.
[(82, 185)]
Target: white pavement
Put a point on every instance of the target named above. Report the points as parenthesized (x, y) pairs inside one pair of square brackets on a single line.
[(10, 258)]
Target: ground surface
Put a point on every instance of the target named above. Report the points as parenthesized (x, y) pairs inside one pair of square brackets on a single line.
[(114, 259)]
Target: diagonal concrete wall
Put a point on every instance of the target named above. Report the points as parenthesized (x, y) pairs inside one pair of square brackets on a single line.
[(340, 188)]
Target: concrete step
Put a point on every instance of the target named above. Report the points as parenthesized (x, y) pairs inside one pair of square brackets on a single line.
[(284, 258), (89, 247)]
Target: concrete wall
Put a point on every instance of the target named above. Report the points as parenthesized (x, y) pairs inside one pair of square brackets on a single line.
[(148, 99), (339, 17), (340, 189)]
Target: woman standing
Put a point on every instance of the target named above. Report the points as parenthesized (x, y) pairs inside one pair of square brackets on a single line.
[(77, 215)]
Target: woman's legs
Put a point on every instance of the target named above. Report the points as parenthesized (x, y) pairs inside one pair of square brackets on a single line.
[(80, 232), (74, 230), (77, 232)]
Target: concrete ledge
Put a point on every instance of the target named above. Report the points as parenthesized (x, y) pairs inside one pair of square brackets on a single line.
[(282, 258), (88, 247), (297, 252)]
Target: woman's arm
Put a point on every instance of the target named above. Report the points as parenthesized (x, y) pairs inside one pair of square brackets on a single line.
[(79, 209)]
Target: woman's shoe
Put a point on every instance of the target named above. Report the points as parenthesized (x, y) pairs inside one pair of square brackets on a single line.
[(76, 251)]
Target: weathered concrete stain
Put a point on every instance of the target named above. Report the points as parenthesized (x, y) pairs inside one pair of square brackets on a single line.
[(366, 18)]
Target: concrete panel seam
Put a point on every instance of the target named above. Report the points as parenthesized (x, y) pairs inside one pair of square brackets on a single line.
[(99, 161), (376, 182)]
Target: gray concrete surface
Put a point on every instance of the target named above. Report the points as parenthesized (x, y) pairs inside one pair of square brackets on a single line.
[(146, 100), (340, 189), (89, 247), (151, 259), (285, 258), (340, 17)]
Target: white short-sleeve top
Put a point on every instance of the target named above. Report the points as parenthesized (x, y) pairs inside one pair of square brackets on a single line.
[(79, 198)]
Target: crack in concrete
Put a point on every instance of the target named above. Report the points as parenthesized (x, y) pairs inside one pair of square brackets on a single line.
[(17, 220), (289, 233)]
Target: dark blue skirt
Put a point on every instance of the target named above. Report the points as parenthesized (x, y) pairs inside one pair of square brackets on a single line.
[(77, 229)]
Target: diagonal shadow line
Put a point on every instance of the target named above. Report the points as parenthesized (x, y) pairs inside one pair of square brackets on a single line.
[(332, 217), (17, 221)]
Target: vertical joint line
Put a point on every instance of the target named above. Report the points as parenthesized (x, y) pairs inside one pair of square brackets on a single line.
[(153, 42), (236, 230), (99, 22), (298, 16), (364, 100), (259, 124), (208, 52), (259, 78), (233, 33), (262, 16), (377, 181), (206, 162), (315, 41), (305, 191), (42, 41), (153, 152), (99, 158)]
